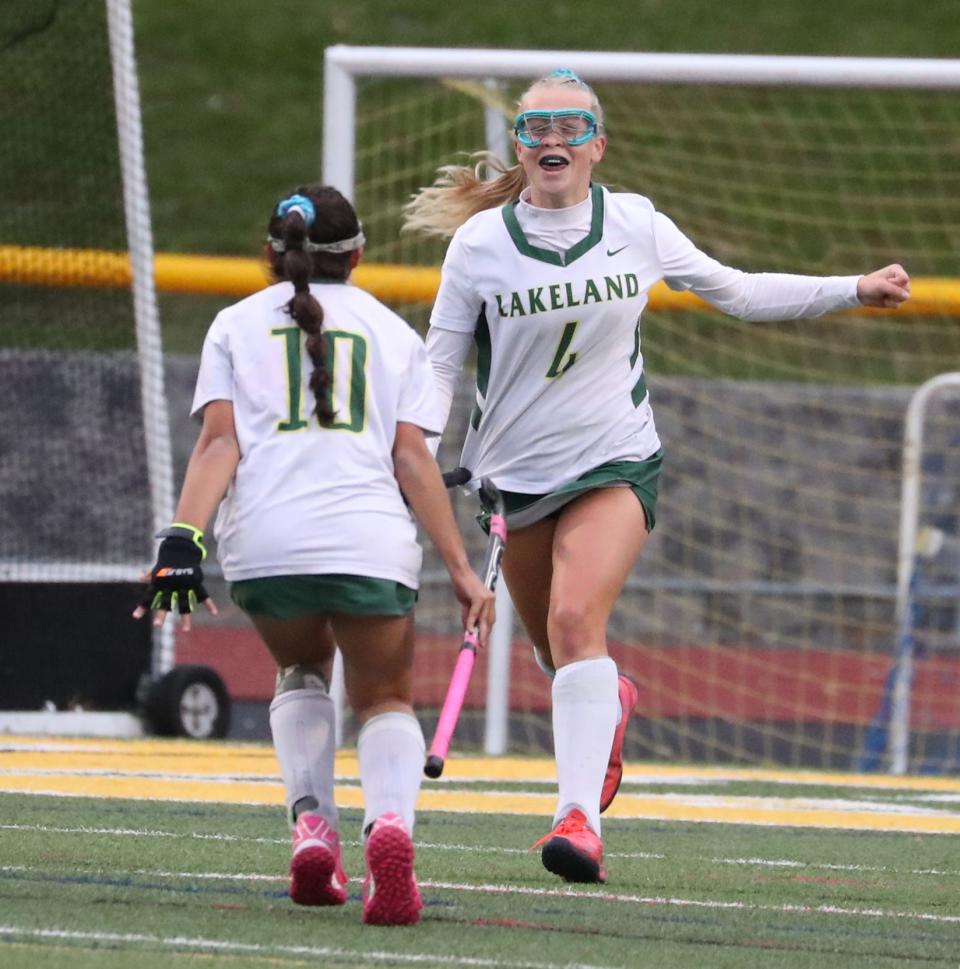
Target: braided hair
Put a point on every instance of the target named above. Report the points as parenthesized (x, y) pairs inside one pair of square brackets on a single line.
[(312, 234)]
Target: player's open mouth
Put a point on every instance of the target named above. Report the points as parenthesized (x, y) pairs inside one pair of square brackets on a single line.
[(553, 162)]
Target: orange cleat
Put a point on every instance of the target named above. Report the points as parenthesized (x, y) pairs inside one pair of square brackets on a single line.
[(572, 850), (628, 693)]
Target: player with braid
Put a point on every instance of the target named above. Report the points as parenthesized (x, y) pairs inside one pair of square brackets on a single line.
[(315, 401), (548, 272)]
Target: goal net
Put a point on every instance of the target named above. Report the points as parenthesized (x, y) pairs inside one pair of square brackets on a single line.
[(761, 619), (84, 477)]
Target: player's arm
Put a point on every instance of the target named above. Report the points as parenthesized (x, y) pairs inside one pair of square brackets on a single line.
[(176, 580), (770, 296), (419, 478), (212, 465), (447, 350), (453, 321)]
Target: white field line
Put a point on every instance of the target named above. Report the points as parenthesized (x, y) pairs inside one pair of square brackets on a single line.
[(624, 899), (469, 849), (53, 792), (257, 778), (139, 833), (874, 913), (299, 951)]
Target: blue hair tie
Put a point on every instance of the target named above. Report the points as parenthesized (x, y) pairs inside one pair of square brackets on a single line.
[(565, 74), (301, 204)]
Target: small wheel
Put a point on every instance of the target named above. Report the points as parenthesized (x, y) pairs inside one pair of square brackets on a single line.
[(189, 701)]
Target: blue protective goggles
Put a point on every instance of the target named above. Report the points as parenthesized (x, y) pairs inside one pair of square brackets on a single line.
[(573, 125)]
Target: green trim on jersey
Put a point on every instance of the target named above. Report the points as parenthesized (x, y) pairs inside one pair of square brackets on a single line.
[(481, 336), (549, 255), (636, 344), (639, 390), (291, 596), (641, 476)]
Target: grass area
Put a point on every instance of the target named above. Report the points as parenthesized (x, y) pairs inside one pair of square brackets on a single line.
[(231, 101), (99, 883), (232, 116)]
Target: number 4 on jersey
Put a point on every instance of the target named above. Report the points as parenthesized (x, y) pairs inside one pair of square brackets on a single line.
[(348, 379), (565, 340)]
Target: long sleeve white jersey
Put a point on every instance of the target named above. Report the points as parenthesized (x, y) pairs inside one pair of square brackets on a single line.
[(553, 300), (307, 499)]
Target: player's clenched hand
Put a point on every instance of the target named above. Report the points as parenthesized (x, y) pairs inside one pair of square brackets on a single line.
[(477, 603), (176, 581), (887, 287)]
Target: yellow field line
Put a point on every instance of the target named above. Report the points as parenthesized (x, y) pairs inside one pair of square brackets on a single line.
[(240, 276), (627, 806), (185, 756), (248, 774)]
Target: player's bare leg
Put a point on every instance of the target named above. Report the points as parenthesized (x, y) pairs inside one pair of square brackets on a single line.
[(594, 545)]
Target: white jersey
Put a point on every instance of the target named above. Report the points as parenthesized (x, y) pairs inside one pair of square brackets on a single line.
[(560, 379), (308, 499)]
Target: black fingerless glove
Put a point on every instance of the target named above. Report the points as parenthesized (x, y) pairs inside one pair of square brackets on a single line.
[(176, 581)]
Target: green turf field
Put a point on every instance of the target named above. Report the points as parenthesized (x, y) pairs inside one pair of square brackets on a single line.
[(93, 883), (180, 874)]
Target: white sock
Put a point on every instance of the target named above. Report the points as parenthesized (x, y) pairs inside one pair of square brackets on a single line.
[(390, 750), (302, 724), (585, 710)]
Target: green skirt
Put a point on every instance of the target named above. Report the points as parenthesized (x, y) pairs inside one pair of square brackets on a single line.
[(290, 596), (641, 477)]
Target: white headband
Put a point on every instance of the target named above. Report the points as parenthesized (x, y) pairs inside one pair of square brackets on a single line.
[(341, 245)]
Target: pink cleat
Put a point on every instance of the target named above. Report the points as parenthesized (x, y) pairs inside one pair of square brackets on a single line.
[(628, 694), (390, 892), (573, 851), (316, 871)]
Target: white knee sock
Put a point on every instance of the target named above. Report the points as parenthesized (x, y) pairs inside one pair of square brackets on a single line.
[(585, 711), (390, 750), (302, 724)]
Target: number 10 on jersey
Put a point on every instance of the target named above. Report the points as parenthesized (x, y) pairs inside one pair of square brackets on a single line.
[(346, 355)]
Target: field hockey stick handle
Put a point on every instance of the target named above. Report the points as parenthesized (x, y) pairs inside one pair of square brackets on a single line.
[(456, 476), (456, 691), (452, 705)]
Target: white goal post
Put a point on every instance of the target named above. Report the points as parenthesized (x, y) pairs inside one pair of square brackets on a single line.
[(910, 542), (136, 204)]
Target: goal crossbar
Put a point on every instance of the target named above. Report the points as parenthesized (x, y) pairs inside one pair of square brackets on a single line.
[(808, 71)]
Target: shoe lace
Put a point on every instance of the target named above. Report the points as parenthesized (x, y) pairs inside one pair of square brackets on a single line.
[(571, 824)]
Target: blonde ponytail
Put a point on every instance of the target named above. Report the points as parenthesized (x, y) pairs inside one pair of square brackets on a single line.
[(461, 191)]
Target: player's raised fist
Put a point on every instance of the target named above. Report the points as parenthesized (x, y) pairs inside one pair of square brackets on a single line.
[(887, 287)]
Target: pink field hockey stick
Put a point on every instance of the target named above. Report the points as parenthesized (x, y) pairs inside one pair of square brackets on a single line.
[(450, 714)]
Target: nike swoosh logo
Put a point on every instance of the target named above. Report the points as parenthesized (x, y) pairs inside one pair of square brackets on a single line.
[(613, 252)]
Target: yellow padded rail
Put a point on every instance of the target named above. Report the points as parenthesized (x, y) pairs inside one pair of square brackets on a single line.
[(240, 276)]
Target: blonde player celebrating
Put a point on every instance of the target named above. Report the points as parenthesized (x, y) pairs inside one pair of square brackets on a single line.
[(315, 401), (548, 273)]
